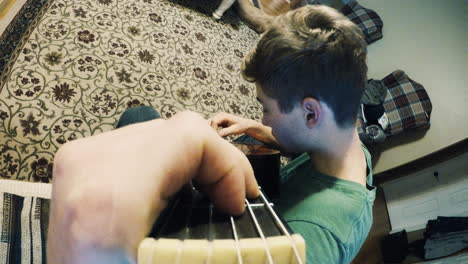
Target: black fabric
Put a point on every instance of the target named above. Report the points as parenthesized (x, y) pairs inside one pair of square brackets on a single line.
[(445, 244), (44, 209), (372, 134), (444, 224), (136, 115), (395, 247), (374, 93), (445, 236), (373, 113), (11, 227)]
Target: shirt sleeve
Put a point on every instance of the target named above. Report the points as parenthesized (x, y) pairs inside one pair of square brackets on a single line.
[(321, 245)]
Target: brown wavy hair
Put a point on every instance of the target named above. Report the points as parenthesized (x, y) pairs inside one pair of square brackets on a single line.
[(313, 51)]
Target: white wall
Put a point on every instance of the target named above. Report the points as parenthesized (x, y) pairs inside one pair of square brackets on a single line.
[(424, 196), (428, 39)]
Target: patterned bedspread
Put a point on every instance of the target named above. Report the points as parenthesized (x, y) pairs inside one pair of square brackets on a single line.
[(80, 64)]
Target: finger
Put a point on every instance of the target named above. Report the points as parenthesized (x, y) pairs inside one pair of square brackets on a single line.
[(212, 124), (216, 122), (228, 193), (224, 170), (231, 130), (251, 186)]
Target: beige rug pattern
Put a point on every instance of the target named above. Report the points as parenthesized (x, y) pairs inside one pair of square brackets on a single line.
[(85, 62)]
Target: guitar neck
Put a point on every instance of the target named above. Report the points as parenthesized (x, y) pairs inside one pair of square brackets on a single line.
[(191, 230)]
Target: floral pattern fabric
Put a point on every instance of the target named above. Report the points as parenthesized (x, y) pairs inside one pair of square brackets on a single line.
[(83, 63)]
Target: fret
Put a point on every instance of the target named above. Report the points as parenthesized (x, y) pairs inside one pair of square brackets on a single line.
[(180, 245), (258, 205)]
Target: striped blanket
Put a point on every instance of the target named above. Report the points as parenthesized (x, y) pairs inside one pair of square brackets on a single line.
[(24, 220)]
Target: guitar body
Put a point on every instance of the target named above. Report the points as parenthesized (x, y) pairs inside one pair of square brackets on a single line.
[(266, 165)]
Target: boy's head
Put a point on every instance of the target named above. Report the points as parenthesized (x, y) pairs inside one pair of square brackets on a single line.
[(312, 52)]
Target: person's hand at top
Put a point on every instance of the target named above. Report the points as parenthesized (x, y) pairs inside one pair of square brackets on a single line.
[(109, 189), (229, 124)]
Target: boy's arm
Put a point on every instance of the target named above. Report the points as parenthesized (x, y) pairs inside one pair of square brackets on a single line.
[(229, 124), (321, 245)]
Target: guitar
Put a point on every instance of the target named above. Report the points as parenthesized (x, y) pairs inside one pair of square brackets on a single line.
[(191, 230)]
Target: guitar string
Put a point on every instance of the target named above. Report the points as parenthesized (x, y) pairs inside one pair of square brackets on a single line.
[(187, 219), (179, 251), (257, 226), (151, 244), (186, 234), (282, 227), (234, 232), (249, 206), (155, 244), (210, 252), (210, 236)]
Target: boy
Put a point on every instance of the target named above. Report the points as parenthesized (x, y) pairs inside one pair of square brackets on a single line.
[(310, 69)]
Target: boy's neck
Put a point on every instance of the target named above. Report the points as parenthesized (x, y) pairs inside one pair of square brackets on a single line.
[(341, 156)]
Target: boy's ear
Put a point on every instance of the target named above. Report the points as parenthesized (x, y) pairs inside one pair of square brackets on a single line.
[(312, 111)]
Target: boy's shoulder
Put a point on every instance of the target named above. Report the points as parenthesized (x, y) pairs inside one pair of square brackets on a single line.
[(334, 204)]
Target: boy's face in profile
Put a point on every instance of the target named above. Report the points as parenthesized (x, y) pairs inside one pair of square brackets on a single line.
[(286, 127)]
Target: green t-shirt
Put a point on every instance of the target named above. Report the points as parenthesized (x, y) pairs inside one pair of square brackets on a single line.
[(334, 216)]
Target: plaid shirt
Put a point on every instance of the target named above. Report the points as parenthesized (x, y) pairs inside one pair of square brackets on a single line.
[(407, 103)]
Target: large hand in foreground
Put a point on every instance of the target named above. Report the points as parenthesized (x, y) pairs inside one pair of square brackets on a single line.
[(109, 189)]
